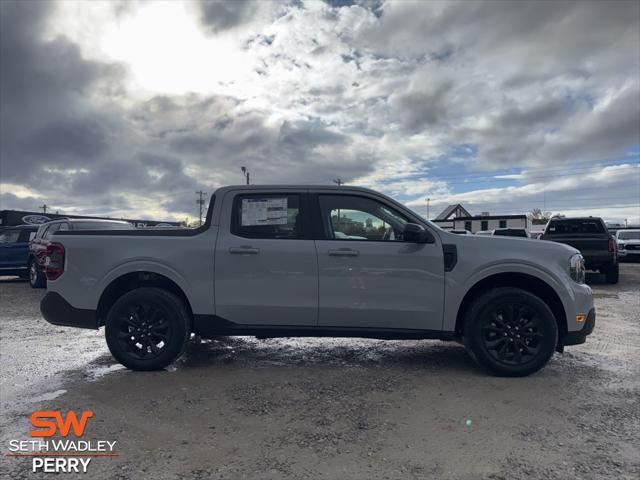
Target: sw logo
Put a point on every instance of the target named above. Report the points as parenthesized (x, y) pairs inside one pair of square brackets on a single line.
[(50, 421), (58, 446)]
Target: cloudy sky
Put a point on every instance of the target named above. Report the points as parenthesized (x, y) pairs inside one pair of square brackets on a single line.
[(128, 108)]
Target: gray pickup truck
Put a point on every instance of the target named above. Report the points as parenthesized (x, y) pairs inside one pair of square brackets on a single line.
[(285, 261)]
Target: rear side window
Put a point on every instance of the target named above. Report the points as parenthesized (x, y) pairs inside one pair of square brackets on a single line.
[(575, 226), (41, 230), (54, 227), (272, 216), (25, 235)]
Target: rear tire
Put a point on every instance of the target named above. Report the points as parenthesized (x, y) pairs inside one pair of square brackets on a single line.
[(613, 273), (510, 332), (36, 277), (147, 328)]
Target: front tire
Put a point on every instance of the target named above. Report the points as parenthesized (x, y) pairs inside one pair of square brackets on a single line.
[(613, 273), (36, 277), (147, 328), (510, 332)]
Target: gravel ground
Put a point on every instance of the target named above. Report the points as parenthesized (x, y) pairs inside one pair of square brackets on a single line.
[(333, 408)]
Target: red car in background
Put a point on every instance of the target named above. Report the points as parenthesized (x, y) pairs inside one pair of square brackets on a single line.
[(38, 246)]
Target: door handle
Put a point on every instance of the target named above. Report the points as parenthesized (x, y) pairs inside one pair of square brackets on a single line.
[(344, 252), (244, 250)]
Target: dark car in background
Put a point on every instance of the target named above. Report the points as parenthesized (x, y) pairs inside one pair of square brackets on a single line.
[(511, 232), (14, 250), (591, 236), (38, 247)]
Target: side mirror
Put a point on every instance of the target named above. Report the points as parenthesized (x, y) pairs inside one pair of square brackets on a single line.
[(415, 233)]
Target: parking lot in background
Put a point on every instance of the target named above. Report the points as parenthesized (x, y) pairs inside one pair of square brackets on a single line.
[(332, 408)]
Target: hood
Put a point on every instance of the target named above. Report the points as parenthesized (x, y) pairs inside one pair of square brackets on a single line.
[(510, 248)]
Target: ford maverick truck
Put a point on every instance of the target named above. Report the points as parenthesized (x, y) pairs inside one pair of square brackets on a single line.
[(285, 261)]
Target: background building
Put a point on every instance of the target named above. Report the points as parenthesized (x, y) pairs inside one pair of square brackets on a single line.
[(456, 217), (9, 218)]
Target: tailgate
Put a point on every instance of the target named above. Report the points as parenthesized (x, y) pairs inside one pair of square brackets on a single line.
[(583, 243)]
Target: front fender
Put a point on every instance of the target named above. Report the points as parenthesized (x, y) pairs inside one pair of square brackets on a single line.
[(458, 284)]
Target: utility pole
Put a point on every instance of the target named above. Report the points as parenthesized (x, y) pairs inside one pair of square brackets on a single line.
[(200, 202), (44, 208), (428, 202), (246, 173), (338, 181)]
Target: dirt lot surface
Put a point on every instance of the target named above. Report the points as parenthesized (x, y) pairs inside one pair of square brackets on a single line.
[(333, 408)]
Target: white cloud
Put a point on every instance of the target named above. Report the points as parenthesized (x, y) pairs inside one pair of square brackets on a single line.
[(179, 95)]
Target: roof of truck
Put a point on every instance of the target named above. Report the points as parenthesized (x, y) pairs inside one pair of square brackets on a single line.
[(295, 186)]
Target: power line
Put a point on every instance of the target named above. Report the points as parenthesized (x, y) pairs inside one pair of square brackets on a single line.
[(200, 202)]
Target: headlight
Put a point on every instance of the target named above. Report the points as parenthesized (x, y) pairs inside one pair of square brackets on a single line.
[(621, 246), (576, 268)]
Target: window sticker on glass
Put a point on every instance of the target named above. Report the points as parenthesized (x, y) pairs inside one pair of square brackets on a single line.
[(264, 211)]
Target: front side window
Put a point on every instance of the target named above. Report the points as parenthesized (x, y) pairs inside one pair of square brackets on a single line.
[(349, 217), (271, 216), (9, 236)]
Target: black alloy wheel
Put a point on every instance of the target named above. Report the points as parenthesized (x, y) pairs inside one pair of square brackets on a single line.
[(510, 331), (143, 330), (147, 328)]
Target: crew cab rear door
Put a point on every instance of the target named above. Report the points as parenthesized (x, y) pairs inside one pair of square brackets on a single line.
[(266, 267), (368, 276)]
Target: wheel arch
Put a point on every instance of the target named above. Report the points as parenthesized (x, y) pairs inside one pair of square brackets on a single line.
[(132, 280), (525, 281)]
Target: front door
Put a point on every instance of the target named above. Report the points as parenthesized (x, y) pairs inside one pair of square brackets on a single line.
[(369, 277), (266, 270)]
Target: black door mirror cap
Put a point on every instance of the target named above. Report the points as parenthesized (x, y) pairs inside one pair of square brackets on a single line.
[(416, 233)]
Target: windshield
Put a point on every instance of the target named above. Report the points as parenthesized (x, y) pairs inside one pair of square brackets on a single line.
[(629, 235), (101, 226), (576, 225)]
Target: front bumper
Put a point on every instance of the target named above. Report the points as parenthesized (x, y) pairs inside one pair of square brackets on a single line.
[(629, 253), (580, 336), (57, 311)]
